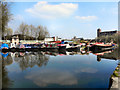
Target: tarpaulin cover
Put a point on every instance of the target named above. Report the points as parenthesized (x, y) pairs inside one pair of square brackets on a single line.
[(4, 55), (4, 45)]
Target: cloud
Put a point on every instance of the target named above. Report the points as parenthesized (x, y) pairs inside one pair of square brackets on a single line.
[(86, 18), (52, 76), (49, 11)]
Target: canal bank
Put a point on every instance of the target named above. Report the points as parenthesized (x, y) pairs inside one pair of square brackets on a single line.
[(115, 77)]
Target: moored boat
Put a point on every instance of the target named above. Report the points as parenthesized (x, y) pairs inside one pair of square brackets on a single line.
[(4, 46), (102, 46)]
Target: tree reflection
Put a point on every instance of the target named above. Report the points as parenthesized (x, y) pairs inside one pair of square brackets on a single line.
[(31, 59), (6, 82), (7, 60)]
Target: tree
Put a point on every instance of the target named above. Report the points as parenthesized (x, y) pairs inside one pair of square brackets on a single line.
[(26, 32), (32, 30), (5, 16), (21, 29), (0, 20), (115, 38), (8, 31), (42, 32)]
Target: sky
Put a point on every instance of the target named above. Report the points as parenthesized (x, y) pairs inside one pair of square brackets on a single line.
[(67, 19)]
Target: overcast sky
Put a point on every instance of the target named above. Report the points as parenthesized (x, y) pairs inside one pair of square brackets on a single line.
[(67, 19)]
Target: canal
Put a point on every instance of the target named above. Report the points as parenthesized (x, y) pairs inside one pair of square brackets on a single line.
[(57, 70)]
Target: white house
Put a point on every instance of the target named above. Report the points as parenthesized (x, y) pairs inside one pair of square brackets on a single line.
[(49, 39), (15, 41)]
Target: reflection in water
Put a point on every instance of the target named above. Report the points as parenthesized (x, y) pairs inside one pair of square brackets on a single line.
[(7, 60), (30, 59), (45, 77), (6, 82), (61, 72), (112, 55), (88, 70), (4, 54)]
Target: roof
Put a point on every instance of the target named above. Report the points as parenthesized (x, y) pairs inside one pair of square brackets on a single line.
[(108, 31), (57, 42)]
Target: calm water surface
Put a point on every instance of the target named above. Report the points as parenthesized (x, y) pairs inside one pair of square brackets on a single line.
[(45, 69)]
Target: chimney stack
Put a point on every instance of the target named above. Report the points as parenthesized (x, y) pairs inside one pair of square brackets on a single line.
[(98, 32)]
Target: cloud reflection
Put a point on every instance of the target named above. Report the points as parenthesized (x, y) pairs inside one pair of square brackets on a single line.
[(53, 76), (86, 70)]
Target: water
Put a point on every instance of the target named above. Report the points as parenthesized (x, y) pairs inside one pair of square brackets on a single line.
[(67, 70)]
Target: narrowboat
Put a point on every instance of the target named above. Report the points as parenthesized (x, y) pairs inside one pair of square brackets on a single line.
[(4, 47), (102, 46)]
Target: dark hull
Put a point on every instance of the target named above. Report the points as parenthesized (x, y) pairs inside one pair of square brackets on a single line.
[(95, 48), (52, 49), (28, 49), (100, 51), (76, 49), (62, 48)]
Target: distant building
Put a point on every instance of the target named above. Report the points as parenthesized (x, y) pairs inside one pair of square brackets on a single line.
[(59, 39), (99, 33), (88, 39), (50, 39), (76, 39)]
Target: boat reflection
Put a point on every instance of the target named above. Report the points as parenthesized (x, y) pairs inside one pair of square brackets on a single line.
[(44, 77), (4, 54), (30, 59)]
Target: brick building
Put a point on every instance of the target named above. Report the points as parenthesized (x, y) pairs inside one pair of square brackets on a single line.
[(99, 33)]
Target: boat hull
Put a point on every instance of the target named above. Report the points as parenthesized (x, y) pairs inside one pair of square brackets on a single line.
[(76, 49), (96, 47)]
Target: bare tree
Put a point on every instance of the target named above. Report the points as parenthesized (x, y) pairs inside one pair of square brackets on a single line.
[(115, 38), (32, 30), (26, 32), (22, 28), (8, 31), (29, 30), (5, 16), (42, 32), (0, 20)]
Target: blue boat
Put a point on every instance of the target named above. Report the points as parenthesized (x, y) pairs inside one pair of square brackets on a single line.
[(27, 45), (4, 54), (4, 46)]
